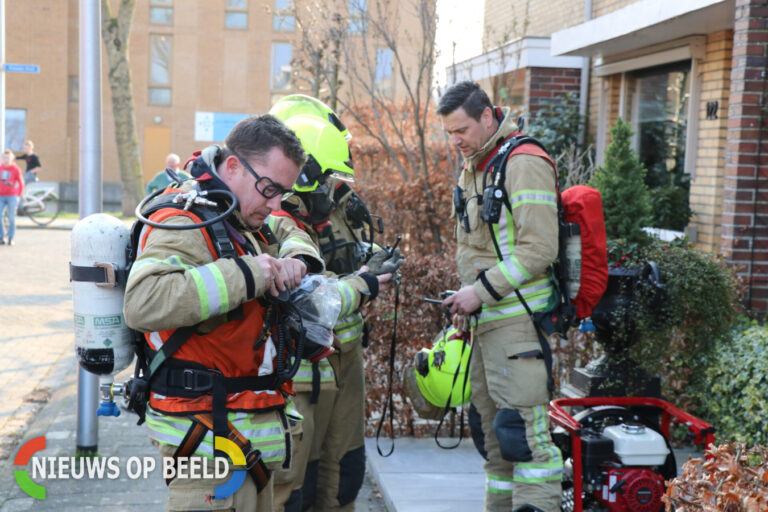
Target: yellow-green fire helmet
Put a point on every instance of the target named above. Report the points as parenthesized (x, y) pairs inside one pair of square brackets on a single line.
[(328, 152), (434, 371), (301, 104)]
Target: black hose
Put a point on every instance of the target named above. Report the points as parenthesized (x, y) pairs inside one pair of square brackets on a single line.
[(205, 194)]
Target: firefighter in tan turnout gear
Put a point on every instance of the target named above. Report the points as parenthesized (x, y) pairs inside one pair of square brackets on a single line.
[(329, 459), (508, 373), (199, 295)]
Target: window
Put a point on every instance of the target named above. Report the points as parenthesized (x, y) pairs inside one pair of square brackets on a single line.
[(283, 19), (161, 12), (281, 65), (236, 15), (357, 14), (384, 71), (660, 111), (659, 100), (160, 69), (15, 128)]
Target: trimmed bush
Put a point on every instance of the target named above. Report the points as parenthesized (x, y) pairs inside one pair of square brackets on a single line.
[(734, 392)]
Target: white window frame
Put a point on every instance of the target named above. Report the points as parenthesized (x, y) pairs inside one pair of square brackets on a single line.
[(237, 10), (165, 5), (272, 69), (284, 14), (692, 48), (158, 85)]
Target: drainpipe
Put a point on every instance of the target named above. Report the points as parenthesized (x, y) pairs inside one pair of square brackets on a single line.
[(584, 83), (760, 127)]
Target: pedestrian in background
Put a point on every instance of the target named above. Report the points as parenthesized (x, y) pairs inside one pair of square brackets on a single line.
[(161, 179), (11, 189), (32, 161)]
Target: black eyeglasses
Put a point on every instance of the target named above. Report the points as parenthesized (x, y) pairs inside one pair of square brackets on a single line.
[(270, 189)]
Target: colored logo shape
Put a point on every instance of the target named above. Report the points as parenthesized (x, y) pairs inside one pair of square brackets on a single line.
[(238, 476), (22, 458)]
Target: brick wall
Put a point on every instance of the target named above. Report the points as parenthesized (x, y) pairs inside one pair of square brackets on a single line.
[(706, 197), (547, 84), (744, 239), (508, 20), (603, 7)]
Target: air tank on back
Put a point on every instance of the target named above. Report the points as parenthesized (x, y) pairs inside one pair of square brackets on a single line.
[(98, 271)]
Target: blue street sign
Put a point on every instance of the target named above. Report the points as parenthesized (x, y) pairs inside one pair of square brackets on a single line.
[(22, 68)]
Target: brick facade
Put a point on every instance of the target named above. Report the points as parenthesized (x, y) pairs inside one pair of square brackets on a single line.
[(543, 85), (706, 197), (744, 238)]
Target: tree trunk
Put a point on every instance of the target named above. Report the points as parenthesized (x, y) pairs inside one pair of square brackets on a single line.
[(115, 33)]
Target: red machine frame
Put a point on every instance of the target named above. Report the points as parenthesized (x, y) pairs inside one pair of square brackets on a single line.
[(702, 431)]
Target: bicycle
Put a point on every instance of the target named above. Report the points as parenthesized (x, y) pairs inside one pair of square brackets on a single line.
[(41, 205)]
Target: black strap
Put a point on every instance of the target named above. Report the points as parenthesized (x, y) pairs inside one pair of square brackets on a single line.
[(250, 285), (450, 395), (388, 403), (101, 274), (545, 348), (171, 345), (315, 383), (187, 379)]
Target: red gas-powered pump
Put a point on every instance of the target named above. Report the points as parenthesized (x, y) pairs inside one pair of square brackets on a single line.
[(616, 447)]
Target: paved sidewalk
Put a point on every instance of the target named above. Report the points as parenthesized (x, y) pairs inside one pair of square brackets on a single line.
[(421, 477)]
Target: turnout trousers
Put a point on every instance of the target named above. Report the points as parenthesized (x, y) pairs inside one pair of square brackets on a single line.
[(336, 467), (509, 390)]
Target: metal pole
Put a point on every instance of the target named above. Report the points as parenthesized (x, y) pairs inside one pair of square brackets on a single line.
[(2, 75), (89, 192), (584, 84)]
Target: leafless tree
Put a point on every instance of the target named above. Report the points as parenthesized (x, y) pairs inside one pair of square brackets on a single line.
[(401, 127), (502, 83), (115, 31), (318, 62)]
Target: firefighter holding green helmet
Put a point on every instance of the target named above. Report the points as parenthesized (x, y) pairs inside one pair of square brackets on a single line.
[(329, 460)]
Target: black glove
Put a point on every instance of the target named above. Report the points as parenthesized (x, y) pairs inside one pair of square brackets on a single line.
[(382, 262)]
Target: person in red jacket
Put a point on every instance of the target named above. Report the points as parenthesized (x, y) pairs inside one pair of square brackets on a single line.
[(11, 189)]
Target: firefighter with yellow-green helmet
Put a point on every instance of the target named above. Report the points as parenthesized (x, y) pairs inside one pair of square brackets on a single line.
[(329, 461), (507, 238)]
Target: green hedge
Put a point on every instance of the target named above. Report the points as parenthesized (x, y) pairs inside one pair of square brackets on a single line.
[(734, 393)]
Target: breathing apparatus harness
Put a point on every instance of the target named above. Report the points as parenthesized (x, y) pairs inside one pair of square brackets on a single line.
[(159, 372), (494, 200)]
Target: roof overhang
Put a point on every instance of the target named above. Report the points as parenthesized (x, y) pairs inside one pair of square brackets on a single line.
[(526, 52), (641, 24)]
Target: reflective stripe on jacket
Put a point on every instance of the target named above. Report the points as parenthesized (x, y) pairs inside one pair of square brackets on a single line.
[(527, 235), (229, 348)]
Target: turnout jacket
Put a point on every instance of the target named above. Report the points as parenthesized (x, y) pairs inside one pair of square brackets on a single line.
[(176, 281), (527, 235)]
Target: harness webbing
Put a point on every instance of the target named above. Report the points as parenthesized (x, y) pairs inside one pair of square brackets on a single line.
[(497, 164)]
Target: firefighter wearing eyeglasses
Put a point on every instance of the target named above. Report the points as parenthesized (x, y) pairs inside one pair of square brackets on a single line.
[(329, 460), (199, 295), (508, 373)]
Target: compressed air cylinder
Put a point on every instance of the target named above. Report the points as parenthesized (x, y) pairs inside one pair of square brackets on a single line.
[(573, 262), (102, 340)]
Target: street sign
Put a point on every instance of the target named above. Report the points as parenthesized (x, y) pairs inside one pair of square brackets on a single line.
[(22, 68)]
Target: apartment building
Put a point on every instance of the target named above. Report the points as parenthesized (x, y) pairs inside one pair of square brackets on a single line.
[(198, 66), (697, 66)]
